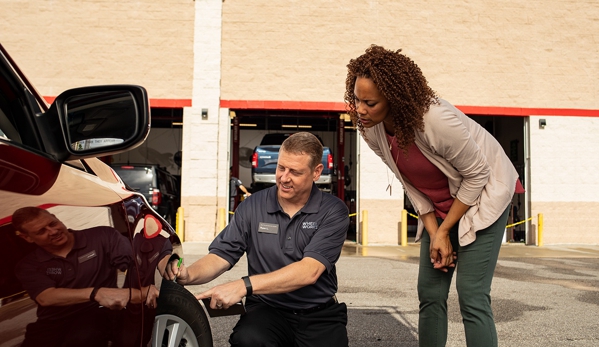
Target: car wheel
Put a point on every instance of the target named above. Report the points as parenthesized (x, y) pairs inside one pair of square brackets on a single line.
[(180, 319)]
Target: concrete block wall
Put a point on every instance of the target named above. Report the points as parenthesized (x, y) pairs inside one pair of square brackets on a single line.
[(564, 160), (484, 53), (383, 205), (66, 44)]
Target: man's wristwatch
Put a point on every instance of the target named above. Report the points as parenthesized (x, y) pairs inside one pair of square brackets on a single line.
[(248, 285), (92, 296)]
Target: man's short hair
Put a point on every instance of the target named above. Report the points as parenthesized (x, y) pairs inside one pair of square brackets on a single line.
[(304, 143), (24, 215)]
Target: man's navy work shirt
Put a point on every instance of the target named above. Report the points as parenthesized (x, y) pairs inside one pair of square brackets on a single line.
[(93, 261), (273, 240)]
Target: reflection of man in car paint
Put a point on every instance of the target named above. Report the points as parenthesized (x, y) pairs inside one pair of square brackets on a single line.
[(151, 251), (72, 276)]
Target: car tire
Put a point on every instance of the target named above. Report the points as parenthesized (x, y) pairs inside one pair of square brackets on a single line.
[(180, 319)]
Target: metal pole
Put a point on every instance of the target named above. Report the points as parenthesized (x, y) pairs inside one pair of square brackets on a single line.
[(179, 226), (540, 232), (341, 159), (364, 228), (404, 228)]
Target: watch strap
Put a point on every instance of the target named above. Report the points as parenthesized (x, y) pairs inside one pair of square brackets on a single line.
[(248, 285), (92, 295)]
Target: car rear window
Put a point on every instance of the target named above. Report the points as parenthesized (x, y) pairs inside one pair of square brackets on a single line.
[(278, 138), (273, 139)]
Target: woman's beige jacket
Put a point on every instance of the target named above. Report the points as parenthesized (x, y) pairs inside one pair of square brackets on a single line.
[(479, 172)]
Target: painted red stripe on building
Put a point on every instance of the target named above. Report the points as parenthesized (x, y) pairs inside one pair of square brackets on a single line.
[(170, 103), (525, 111), (283, 105), (340, 107)]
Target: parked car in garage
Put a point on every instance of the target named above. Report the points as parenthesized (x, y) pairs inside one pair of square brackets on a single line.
[(48, 160), (266, 155), (158, 186)]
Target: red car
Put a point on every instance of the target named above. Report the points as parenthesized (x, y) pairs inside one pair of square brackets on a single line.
[(48, 159)]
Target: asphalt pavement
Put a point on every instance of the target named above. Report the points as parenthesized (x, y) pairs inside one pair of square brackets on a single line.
[(541, 296)]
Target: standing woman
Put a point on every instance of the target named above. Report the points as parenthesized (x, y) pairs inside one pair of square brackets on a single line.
[(457, 177)]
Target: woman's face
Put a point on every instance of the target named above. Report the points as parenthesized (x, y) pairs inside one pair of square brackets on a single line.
[(371, 105)]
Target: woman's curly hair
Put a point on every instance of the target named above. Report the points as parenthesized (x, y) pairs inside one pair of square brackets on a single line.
[(401, 82)]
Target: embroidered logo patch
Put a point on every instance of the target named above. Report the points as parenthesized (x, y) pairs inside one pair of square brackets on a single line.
[(310, 225), (54, 271)]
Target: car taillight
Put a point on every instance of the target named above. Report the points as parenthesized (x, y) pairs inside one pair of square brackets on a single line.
[(330, 161), (156, 197), (255, 160)]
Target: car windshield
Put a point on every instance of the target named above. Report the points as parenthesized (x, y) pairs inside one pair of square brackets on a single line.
[(139, 178)]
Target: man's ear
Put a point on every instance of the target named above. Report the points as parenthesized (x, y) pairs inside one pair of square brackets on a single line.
[(317, 171), (24, 236)]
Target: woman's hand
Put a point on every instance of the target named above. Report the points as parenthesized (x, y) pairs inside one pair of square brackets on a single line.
[(441, 251)]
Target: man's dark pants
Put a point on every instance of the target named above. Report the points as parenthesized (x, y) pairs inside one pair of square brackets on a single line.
[(264, 325)]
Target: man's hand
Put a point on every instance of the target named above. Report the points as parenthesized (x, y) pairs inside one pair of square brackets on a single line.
[(202, 271), (224, 295), (173, 272), (113, 298), (151, 296)]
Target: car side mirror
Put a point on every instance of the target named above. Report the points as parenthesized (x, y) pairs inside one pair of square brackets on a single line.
[(101, 120)]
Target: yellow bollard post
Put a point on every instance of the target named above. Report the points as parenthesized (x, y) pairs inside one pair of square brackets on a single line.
[(404, 228), (222, 219), (179, 224), (540, 232), (364, 228)]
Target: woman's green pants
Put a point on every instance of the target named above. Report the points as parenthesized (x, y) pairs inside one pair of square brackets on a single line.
[(475, 265)]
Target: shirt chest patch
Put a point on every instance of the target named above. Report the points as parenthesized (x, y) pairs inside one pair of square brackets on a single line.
[(309, 225), (268, 228), (54, 271)]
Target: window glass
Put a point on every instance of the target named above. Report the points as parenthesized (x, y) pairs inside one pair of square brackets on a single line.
[(15, 123), (8, 130)]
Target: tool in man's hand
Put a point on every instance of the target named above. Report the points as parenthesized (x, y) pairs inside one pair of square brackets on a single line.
[(178, 266)]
